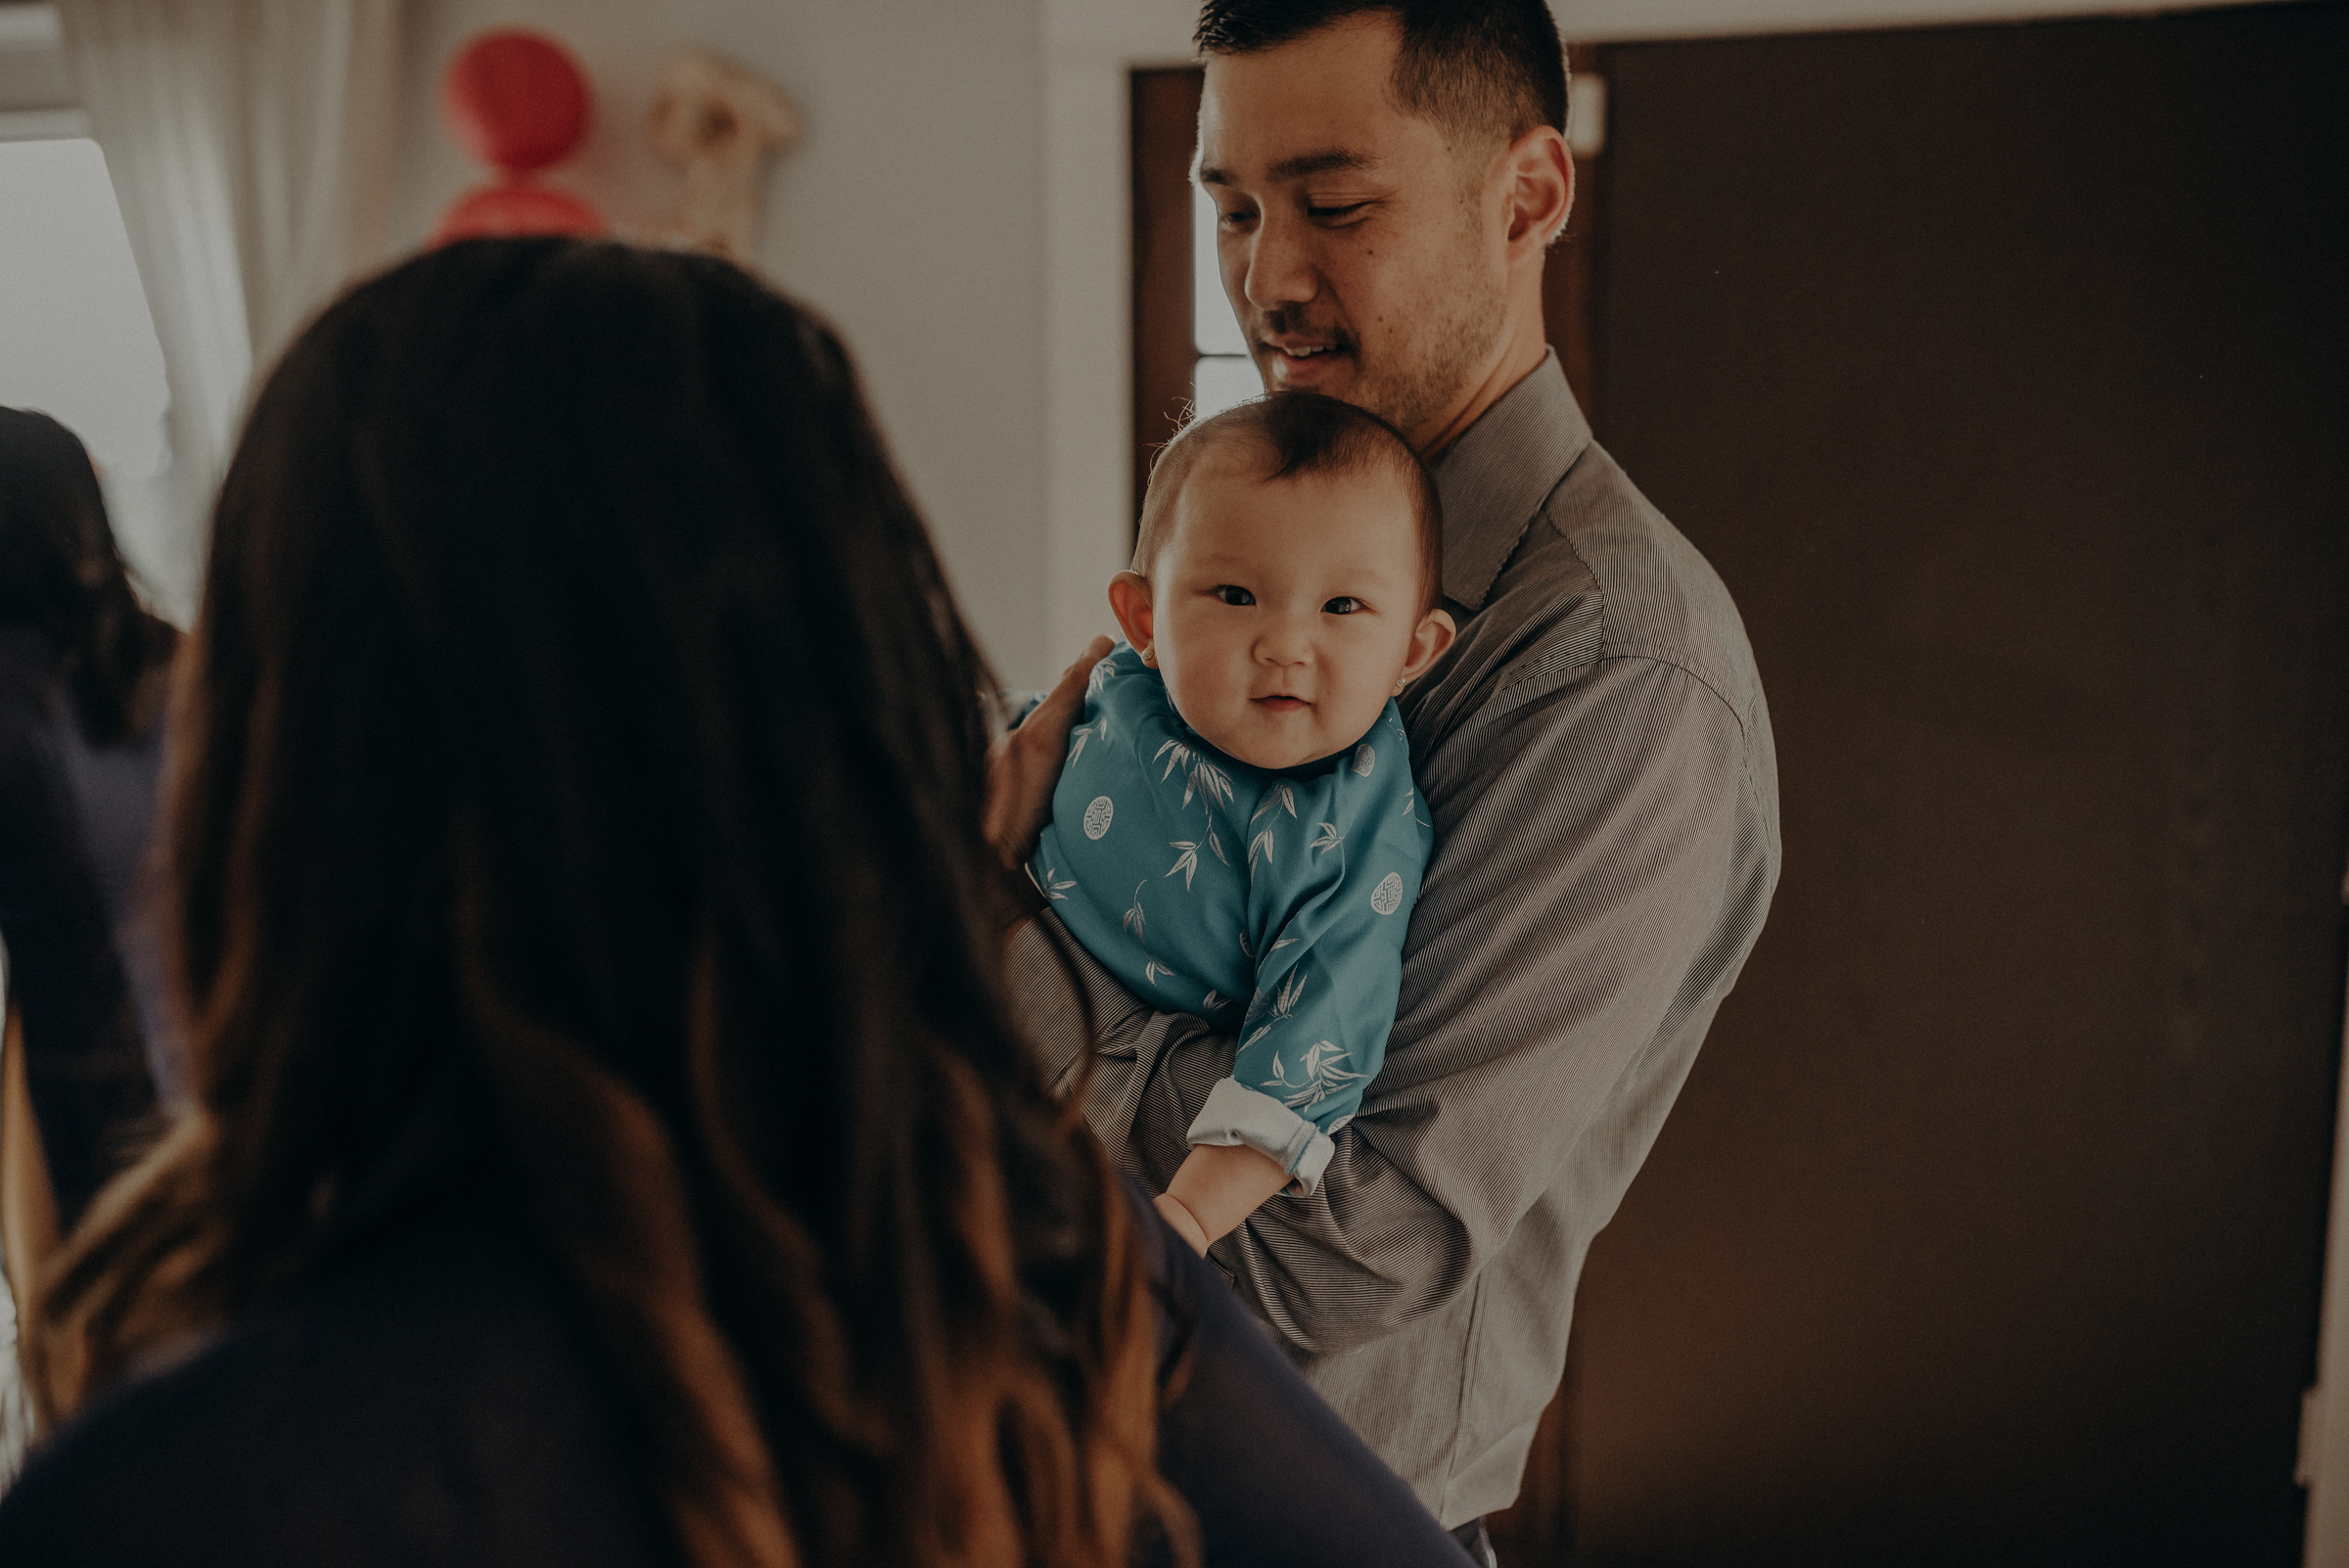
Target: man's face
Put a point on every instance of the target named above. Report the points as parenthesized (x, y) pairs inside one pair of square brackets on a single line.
[(1356, 246)]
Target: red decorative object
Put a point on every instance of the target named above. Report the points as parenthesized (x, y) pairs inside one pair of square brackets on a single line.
[(516, 101), (509, 210)]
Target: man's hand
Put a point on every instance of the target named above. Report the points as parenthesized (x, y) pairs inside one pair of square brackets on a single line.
[(1025, 764)]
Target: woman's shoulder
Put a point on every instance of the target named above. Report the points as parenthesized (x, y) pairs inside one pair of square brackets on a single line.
[(434, 1400)]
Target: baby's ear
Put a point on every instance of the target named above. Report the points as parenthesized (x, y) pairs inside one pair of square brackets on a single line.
[(1435, 634), (1129, 602)]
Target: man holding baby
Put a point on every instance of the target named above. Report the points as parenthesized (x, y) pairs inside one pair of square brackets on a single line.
[(1593, 747)]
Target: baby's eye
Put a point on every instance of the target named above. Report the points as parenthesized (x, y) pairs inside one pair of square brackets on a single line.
[(1341, 605), (1231, 593)]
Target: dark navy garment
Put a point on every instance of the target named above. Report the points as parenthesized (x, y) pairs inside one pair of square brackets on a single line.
[(73, 827), (439, 1399), (1273, 1473)]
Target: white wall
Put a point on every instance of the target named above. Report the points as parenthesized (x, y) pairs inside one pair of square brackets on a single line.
[(911, 214)]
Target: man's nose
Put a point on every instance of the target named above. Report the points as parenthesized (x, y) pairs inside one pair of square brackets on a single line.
[(1279, 269)]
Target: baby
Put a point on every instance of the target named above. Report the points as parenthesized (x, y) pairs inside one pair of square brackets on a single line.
[(1237, 833)]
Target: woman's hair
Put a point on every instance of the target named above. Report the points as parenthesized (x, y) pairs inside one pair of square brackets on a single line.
[(580, 734), (60, 574)]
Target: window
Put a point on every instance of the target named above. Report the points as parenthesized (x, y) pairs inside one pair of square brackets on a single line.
[(1222, 374), (1171, 287), (1188, 351)]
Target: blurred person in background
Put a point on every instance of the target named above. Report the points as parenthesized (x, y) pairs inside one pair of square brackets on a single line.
[(84, 671), (606, 1140)]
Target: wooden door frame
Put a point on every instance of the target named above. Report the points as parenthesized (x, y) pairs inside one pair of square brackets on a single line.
[(1165, 132), (2324, 1413)]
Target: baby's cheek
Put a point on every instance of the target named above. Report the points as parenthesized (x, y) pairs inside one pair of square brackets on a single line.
[(1206, 692), (1359, 702), (1190, 689)]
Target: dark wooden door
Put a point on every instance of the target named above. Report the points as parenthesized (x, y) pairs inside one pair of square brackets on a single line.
[(2003, 373)]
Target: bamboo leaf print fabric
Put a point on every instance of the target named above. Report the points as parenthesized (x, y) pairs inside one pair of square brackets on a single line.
[(1273, 905)]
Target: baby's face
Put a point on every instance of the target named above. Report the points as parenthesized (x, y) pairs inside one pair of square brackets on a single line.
[(1284, 614)]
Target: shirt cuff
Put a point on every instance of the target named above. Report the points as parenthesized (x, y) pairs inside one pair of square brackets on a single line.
[(1235, 1115)]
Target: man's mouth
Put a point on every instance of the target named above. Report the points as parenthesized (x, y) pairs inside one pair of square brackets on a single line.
[(1304, 359)]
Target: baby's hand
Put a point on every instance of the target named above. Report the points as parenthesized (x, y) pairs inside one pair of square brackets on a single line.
[(1025, 764)]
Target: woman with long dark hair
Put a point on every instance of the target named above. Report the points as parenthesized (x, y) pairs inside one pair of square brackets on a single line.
[(608, 1141), (83, 670)]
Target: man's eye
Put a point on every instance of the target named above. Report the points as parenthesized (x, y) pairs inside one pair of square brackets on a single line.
[(1324, 215), (1234, 596), (1233, 218), (1342, 605)]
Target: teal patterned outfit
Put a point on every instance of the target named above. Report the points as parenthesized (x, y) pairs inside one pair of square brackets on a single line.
[(1270, 900)]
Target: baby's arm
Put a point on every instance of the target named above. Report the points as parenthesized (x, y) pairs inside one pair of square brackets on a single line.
[(1216, 1188), (1329, 934)]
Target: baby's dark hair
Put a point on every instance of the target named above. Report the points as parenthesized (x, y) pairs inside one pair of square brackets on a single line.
[(1297, 433)]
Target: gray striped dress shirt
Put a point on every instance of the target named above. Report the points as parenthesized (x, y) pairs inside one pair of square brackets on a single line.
[(1597, 757)]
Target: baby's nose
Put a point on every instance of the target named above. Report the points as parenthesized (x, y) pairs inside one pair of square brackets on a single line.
[(1283, 645)]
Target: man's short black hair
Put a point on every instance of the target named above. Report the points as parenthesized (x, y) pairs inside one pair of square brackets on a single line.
[(1293, 434), (1472, 67)]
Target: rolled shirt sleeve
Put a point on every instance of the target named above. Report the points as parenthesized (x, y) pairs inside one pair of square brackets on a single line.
[(1235, 1115)]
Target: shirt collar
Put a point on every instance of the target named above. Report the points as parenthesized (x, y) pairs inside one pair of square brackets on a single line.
[(1493, 479)]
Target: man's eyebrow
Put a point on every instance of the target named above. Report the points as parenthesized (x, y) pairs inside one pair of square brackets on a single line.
[(1331, 161)]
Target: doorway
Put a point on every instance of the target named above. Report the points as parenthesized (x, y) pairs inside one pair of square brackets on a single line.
[(2003, 374)]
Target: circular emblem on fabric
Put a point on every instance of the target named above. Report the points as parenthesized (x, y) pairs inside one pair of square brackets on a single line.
[(1364, 758), (1096, 821), (1386, 897)]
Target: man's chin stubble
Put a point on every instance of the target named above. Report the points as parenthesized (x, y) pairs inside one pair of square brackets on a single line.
[(1425, 394)]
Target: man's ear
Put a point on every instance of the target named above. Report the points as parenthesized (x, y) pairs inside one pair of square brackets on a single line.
[(1129, 602), (1541, 176), (1434, 635)]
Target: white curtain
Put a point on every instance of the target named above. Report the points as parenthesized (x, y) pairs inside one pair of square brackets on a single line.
[(249, 145)]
